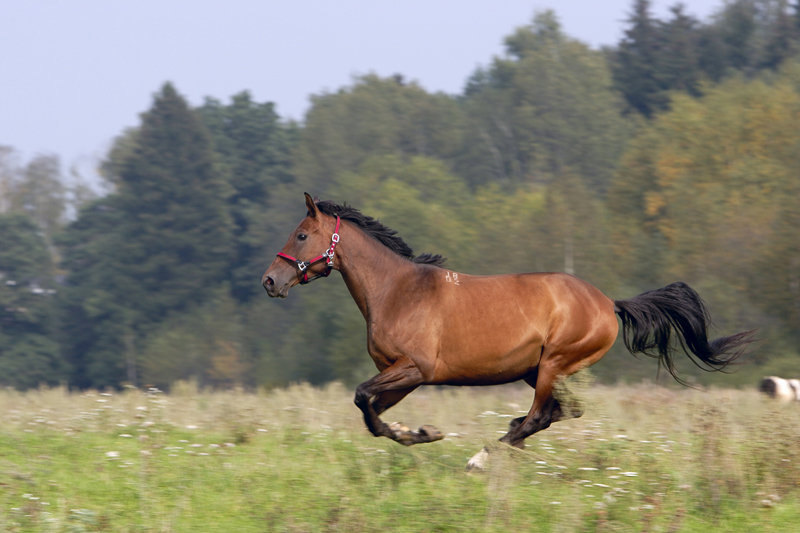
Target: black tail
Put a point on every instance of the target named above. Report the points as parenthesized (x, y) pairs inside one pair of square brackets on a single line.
[(649, 319)]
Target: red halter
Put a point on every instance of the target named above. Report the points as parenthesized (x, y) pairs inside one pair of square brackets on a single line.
[(327, 256)]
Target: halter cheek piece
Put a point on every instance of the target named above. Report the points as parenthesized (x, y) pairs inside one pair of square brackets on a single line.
[(327, 256)]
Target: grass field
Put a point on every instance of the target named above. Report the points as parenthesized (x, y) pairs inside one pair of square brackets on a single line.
[(642, 458)]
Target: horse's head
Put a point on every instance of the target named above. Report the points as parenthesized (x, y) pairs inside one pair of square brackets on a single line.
[(307, 255)]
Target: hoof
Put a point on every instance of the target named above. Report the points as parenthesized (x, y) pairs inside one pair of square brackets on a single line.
[(406, 437), (478, 461), (402, 434), (430, 433)]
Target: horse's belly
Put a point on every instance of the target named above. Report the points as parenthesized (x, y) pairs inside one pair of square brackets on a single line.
[(487, 366), (489, 341)]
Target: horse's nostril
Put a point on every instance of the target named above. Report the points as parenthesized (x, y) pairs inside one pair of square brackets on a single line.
[(268, 282)]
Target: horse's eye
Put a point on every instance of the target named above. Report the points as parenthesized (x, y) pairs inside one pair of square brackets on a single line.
[(301, 236)]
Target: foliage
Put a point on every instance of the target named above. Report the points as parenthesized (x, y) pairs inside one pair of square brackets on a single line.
[(36, 189), (374, 117), (28, 354), (712, 185), (544, 110), (154, 247), (656, 58), (91, 333), (176, 230), (636, 66), (254, 151), (200, 344)]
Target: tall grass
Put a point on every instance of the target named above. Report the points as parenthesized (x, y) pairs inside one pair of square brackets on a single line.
[(642, 458)]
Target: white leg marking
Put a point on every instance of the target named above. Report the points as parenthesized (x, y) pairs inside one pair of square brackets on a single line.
[(479, 460)]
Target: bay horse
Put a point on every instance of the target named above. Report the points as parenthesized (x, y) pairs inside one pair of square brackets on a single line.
[(430, 325)]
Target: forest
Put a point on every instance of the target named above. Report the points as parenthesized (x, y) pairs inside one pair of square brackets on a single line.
[(673, 155)]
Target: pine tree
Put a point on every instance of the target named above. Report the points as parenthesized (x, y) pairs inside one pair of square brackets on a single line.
[(29, 356), (254, 148), (781, 36), (176, 234), (636, 63), (91, 302), (679, 62), (738, 26), (156, 247)]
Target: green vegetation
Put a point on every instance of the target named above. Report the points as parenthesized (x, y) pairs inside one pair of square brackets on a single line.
[(298, 459), (672, 156)]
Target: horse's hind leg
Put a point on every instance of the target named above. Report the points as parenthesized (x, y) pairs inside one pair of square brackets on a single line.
[(549, 410), (558, 412), (545, 410)]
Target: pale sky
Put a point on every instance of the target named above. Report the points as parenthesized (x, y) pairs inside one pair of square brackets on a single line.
[(76, 73)]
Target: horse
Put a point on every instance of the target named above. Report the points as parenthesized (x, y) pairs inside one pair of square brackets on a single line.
[(786, 390), (428, 325)]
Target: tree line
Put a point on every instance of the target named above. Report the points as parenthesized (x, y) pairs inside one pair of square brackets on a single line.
[(674, 155)]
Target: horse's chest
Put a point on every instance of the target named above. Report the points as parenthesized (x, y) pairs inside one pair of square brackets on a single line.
[(383, 349)]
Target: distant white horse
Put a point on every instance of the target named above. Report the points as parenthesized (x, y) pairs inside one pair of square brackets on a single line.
[(781, 389)]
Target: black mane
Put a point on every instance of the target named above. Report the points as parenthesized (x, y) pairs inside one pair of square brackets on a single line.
[(386, 236)]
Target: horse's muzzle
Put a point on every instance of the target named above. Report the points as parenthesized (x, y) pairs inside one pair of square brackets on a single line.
[(272, 288)]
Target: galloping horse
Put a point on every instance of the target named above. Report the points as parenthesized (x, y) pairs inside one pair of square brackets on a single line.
[(430, 325)]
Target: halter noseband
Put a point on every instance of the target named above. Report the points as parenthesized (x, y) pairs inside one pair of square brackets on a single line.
[(327, 256)]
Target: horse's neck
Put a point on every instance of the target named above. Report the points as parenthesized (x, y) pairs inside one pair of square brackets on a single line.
[(369, 269)]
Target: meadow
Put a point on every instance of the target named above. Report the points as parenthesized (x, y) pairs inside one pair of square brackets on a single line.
[(642, 458)]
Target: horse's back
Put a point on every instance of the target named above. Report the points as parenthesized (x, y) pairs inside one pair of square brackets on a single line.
[(575, 311), (554, 294)]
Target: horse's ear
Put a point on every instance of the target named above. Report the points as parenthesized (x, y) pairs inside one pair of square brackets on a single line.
[(311, 206)]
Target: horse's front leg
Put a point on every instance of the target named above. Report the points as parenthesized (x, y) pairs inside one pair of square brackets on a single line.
[(388, 388), (386, 399)]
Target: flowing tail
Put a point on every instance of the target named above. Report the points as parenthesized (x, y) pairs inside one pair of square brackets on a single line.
[(648, 321)]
